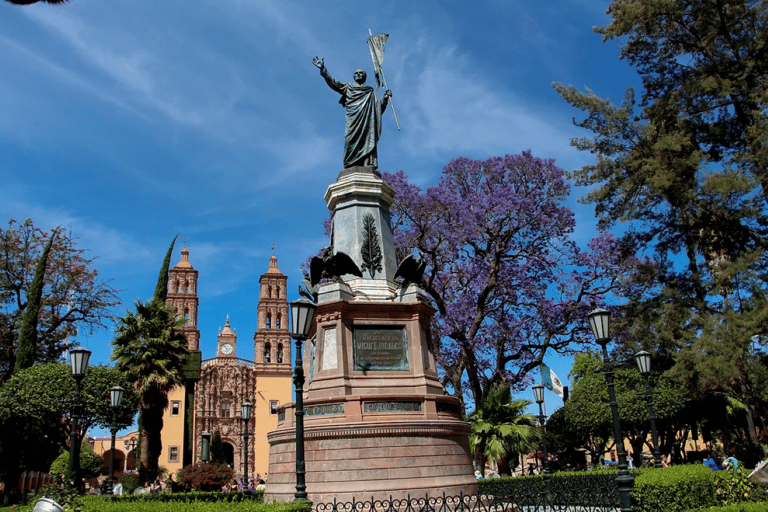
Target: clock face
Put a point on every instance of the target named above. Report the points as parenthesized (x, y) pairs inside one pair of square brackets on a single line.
[(226, 348)]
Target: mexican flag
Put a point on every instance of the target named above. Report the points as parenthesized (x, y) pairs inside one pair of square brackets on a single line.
[(550, 380)]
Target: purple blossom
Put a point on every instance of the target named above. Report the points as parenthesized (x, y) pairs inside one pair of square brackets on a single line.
[(508, 282)]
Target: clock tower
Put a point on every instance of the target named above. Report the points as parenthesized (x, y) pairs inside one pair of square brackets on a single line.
[(227, 341)]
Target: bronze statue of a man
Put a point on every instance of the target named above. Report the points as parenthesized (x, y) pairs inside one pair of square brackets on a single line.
[(364, 109)]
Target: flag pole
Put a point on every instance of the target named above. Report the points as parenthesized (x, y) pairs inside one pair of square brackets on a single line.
[(377, 65)]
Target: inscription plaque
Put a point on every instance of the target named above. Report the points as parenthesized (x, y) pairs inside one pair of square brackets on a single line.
[(380, 348), (392, 406), (323, 410)]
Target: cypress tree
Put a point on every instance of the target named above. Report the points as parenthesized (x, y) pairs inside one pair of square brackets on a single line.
[(25, 356), (161, 290), (217, 448)]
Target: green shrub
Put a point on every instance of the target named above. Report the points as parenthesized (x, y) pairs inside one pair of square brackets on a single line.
[(64, 494), (100, 504), (193, 496), (90, 463), (566, 489), (734, 486), (130, 482), (741, 507), (674, 489)]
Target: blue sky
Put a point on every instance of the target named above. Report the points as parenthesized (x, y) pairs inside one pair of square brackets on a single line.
[(130, 122)]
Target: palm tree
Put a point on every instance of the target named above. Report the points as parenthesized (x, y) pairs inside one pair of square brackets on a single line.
[(150, 349), (500, 428)]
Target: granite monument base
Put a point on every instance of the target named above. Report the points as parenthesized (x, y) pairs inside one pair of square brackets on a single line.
[(399, 447)]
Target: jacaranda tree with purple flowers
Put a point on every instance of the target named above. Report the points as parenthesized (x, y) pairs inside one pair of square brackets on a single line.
[(503, 270)]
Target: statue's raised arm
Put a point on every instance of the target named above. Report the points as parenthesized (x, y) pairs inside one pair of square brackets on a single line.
[(364, 109)]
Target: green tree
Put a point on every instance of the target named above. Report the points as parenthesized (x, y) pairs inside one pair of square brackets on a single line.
[(34, 415), (151, 349), (90, 463), (709, 60), (501, 429), (25, 356), (585, 420), (686, 173), (217, 448), (72, 296)]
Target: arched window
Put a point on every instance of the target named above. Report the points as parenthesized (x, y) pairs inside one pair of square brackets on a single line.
[(267, 353), (186, 286), (178, 286), (186, 316), (269, 320), (279, 352), (269, 291), (277, 292), (277, 323)]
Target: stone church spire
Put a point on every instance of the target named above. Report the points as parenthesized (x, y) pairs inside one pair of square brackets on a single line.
[(182, 297), (272, 341)]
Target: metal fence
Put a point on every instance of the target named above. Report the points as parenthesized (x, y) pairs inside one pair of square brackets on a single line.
[(577, 493)]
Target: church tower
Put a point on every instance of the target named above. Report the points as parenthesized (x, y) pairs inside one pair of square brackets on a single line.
[(182, 296), (178, 418), (272, 340), (227, 341)]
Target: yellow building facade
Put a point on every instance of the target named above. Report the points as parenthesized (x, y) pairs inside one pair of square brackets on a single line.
[(216, 387), (211, 401)]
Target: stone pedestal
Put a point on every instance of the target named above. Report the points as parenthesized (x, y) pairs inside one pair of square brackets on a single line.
[(377, 422), (360, 192)]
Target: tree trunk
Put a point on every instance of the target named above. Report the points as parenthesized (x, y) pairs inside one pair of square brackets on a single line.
[(751, 426), (478, 461), (151, 443), (503, 465)]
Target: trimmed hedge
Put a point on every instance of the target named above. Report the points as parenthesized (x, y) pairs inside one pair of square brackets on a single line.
[(187, 497), (674, 489), (102, 504), (567, 489), (696, 487), (741, 507)]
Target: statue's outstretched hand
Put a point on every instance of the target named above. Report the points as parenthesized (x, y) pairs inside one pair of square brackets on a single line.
[(317, 61), (388, 93)]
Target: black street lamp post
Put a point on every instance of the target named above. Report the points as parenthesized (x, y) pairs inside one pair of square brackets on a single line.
[(599, 321), (78, 358), (115, 397), (538, 393), (246, 409), (643, 359), (302, 314), (205, 446)]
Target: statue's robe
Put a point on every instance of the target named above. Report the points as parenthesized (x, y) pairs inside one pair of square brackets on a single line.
[(363, 128)]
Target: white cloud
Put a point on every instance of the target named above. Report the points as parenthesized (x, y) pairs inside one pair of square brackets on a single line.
[(454, 109), (128, 68)]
